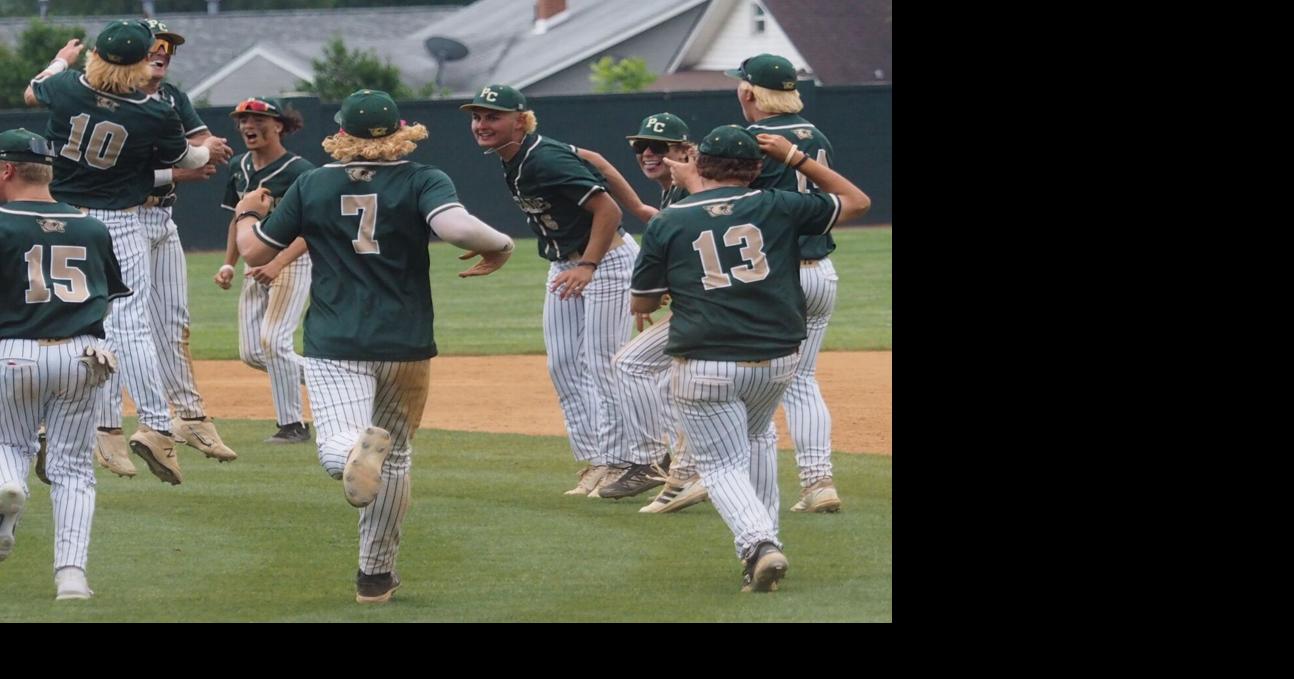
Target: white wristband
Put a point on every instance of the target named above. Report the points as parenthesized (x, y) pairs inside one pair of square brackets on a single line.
[(226, 266), (789, 154), (162, 177), (56, 66)]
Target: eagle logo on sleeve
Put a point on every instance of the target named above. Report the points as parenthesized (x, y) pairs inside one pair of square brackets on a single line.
[(720, 210), (804, 133), (51, 225)]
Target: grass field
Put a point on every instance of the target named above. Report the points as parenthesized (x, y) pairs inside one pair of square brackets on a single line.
[(489, 537), (501, 313)]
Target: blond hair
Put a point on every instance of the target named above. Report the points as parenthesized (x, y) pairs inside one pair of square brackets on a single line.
[(34, 173), (107, 77), (773, 101), (394, 146), (531, 122)]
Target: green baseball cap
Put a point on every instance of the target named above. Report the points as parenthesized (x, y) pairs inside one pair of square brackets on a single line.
[(159, 30), (497, 98), (766, 70), (661, 127), (731, 141), (368, 114), (123, 42), (24, 146)]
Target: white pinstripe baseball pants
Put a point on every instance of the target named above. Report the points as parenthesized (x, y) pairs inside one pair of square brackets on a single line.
[(168, 310), (130, 334), (807, 416), (349, 396), (48, 384), (581, 336), (267, 319), (725, 409), (643, 370)]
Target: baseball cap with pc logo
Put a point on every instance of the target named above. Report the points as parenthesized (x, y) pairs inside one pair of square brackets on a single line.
[(497, 98)]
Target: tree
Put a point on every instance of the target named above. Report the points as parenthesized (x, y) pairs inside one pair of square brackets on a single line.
[(37, 45), (626, 75), (342, 71)]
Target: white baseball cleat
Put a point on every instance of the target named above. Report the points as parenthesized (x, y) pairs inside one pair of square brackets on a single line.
[(202, 435), (71, 584), (12, 502), (819, 497), (110, 451), (590, 476), (363, 474), (678, 494)]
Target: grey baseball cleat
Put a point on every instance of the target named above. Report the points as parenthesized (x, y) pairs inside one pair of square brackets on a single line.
[(638, 478), (766, 565), (295, 432)]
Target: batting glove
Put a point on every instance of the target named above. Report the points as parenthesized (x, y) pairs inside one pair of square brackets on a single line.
[(100, 362)]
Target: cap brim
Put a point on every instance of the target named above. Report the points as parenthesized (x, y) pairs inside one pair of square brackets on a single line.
[(735, 73), (649, 137), (468, 107), (171, 37)]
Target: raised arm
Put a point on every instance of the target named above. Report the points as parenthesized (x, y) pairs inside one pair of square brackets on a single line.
[(853, 202), (618, 186), (65, 58)]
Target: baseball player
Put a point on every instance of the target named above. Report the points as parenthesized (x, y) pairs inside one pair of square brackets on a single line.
[(58, 277), (642, 365), (273, 295), (578, 225), (108, 133), (770, 102), (366, 220), (728, 257), (168, 301)]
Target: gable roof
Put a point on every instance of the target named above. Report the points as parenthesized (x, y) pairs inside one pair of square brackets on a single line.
[(847, 42)]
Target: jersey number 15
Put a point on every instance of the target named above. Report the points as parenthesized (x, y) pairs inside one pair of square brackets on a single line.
[(69, 282)]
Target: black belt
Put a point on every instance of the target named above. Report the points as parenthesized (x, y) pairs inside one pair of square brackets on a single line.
[(160, 201)]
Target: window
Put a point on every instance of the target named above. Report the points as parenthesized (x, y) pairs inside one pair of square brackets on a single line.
[(757, 18)]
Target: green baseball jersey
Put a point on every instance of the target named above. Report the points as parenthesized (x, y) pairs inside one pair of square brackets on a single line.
[(189, 119), (550, 183), (730, 261), (367, 226), (674, 194), (777, 175), (58, 272), (276, 176), (106, 142)]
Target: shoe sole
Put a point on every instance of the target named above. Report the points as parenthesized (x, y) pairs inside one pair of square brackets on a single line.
[(380, 599), (364, 468), (829, 506), (768, 572), (12, 502), (79, 596), (158, 469)]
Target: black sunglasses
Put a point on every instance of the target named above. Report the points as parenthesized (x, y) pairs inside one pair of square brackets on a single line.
[(660, 148)]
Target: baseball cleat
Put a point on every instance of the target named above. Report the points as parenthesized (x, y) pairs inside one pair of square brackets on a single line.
[(12, 502), (376, 588), (610, 476), (158, 450), (110, 451), (290, 433), (589, 478), (71, 584), (363, 474), (766, 565), (202, 435), (638, 478), (677, 495), (41, 451), (819, 497)]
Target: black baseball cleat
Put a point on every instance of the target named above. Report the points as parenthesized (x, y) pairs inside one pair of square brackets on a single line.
[(636, 479), (376, 588), (766, 565), (291, 433)]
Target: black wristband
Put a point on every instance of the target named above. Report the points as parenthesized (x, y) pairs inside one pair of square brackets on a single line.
[(585, 262), (249, 213), (803, 160)]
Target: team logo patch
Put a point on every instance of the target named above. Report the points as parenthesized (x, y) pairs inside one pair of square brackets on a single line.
[(720, 210), (104, 102), (360, 174), (804, 133), (788, 84), (51, 225), (532, 206), (377, 131)]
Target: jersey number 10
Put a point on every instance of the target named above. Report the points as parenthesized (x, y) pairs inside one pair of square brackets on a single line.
[(104, 148)]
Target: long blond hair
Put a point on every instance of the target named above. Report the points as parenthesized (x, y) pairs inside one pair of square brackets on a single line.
[(394, 146), (774, 101), (530, 120), (108, 77)]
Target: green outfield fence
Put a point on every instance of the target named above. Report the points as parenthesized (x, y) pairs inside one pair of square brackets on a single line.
[(859, 121)]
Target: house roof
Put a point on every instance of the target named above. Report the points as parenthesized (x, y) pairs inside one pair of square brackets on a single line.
[(826, 30), (213, 41)]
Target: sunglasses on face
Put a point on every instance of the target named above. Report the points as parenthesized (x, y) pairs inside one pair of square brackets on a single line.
[(161, 45), (660, 148)]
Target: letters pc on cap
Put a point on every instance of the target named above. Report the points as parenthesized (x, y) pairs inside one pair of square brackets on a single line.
[(497, 98), (661, 127)]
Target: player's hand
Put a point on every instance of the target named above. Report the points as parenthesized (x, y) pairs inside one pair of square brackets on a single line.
[(179, 174), (219, 148), (265, 274), (101, 364), (572, 281), (258, 201), (642, 320), (224, 277), (684, 175), (71, 52), (490, 262), (774, 146)]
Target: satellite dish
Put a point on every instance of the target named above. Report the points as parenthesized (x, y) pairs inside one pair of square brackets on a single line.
[(442, 50)]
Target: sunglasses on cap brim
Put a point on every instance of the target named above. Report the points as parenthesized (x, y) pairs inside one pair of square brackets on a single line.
[(256, 106), (660, 148)]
